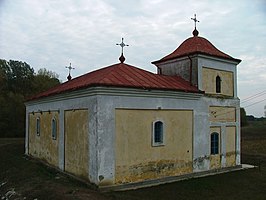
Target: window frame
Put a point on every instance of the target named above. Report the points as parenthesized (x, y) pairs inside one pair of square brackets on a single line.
[(38, 126), (162, 133), (54, 130), (215, 143)]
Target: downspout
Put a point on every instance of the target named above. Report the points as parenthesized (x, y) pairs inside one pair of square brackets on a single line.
[(190, 71), (159, 70)]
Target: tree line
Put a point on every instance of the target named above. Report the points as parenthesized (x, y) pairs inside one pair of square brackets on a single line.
[(19, 81)]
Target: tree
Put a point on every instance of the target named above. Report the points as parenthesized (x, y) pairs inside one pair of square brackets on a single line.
[(17, 82), (44, 80), (20, 77), (4, 70), (243, 118), (45, 72)]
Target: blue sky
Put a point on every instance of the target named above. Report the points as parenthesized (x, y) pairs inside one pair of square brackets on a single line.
[(53, 33)]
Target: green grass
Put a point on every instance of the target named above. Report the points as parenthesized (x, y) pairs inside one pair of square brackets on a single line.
[(32, 179), (254, 130), (236, 185)]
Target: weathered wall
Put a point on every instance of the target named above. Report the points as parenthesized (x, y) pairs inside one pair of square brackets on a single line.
[(137, 159), (44, 146), (209, 81), (222, 114), (230, 146), (76, 142), (67, 102)]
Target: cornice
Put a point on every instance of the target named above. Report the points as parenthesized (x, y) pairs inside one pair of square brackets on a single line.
[(115, 91)]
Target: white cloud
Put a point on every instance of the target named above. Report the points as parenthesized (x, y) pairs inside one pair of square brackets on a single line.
[(53, 33)]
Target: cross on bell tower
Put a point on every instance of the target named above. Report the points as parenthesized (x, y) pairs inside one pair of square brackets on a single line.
[(195, 32), (122, 45), (69, 70)]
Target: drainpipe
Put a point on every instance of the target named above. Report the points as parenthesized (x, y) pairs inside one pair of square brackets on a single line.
[(190, 71), (159, 70)]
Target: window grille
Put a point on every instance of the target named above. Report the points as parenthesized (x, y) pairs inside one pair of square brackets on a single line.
[(214, 143)]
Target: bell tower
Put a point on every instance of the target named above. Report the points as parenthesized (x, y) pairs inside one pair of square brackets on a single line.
[(199, 62)]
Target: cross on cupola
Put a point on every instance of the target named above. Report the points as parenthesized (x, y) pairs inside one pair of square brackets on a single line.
[(122, 45), (69, 70), (195, 32)]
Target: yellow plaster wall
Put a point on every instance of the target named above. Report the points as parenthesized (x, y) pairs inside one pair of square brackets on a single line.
[(209, 81), (222, 114), (43, 146), (230, 146), (137, 159), (76, 142), (215, 160)]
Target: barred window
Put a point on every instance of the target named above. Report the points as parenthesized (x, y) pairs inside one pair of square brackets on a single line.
[(214, 143), (38, 126), (54, 128)]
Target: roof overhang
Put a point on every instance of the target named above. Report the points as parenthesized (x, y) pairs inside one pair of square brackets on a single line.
[(197, 54)]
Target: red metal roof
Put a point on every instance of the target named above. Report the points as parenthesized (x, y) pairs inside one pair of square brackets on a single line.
[(195, 45), (122, 75)]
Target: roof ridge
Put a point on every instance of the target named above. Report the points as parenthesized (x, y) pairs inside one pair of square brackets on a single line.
[(151, 75), (94, 71)]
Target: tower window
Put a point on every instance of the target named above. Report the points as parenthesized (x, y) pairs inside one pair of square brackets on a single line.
[(158, 133), (218, 84), (214, 143)]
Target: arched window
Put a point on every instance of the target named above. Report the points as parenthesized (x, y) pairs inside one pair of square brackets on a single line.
[(158, 133), (214, 143), (218, 84), (54, 129), (38, 126)]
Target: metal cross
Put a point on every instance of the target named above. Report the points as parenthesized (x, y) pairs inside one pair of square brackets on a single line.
[(70, 68), (122, 44), (195, 20)]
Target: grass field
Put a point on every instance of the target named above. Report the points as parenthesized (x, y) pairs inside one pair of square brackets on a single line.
[(21, 178)]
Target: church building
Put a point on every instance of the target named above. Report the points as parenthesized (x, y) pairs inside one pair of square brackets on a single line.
[(122, 125)]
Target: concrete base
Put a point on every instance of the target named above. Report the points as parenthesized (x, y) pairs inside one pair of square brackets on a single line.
[(154, 182)]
